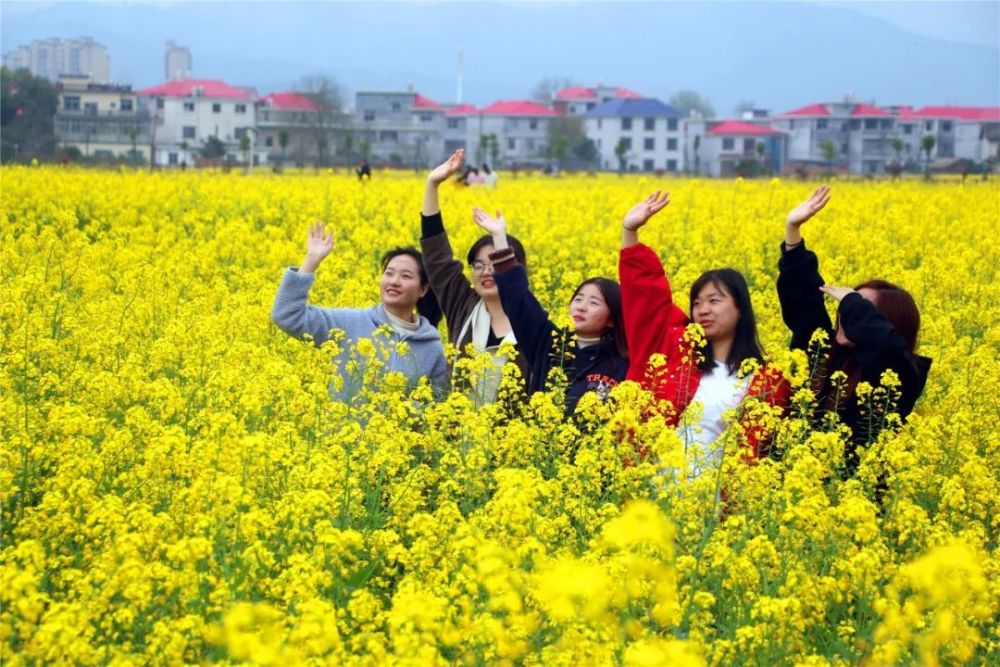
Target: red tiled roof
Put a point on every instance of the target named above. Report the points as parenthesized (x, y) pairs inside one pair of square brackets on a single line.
[(810, 110), (735, 127), (905, 113), (421, 102), (517, 108), (868, 110), (209, 88), (576, 93), (289, 100), (462, 110), (990, 114), (626, 92)]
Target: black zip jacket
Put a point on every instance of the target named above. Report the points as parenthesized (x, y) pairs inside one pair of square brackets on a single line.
[(597, 367)]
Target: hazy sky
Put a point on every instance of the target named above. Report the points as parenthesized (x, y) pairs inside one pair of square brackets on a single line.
[(776, 54)]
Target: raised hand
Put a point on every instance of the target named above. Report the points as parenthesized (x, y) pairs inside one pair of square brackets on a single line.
[(445, 170), (836, 292), (492, 226), (639, 214), (799, 215), (319, 243)]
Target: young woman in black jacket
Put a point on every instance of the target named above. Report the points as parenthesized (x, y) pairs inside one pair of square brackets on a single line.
[(876, 330), (595, 357)]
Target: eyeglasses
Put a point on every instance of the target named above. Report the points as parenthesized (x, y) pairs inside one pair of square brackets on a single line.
[(480, 267)]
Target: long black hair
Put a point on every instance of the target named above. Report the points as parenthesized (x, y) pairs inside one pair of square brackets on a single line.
[(746, 345), (427, 305), (486, 240), (612, 293)]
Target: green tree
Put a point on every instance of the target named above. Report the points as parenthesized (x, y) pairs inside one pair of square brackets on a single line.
[(28, 105), (927, 144), (697, 154), (829, 153), (562, 133), (213, 149), (245, 149), (585, 150), (494, 148), (761, 150), (283, 142), (687, 101), (621, 151), (546, 89)]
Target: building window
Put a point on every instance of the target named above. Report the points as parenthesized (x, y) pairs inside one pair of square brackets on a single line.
[(511, 145), (647, 165), (856, 124), (671, 124), (649, 124), (172, 158), (189, 106), (907, 129), (240, 132), (946, 126), (71, 103), (671, 165), (369, 116), (728, 144), (389, 136), (871, 123), (426, 118), (626, 123), (90, 108), (188, 132), (395, 106), (269, 141), (626, 143), (241, 108), (820, 124), (929, 125), (216, 108), (533, 124), (749, 145), (886, 124), (452, 123), (671, 144), (648, 144), (126, 104)]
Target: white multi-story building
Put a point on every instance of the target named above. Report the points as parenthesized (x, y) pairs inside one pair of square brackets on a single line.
[(101, 120), (176, 62), (50, 58), (860, 134), (187, 113), (960, 133), (400, 128), (636, 134), (294, 117), (507, 132), (578, 100)]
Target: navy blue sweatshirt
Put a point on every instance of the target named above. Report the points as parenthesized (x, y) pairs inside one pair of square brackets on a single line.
[(597, 367), (877, 345)]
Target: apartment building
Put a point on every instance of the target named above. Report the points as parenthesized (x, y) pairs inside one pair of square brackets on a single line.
[(50, 58), (400, 128), (101, 120), (645, 132)]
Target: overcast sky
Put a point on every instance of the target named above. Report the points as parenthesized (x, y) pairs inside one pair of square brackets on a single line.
[(777, 54)]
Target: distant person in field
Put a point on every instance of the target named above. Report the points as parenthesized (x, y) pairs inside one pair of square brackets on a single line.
[(595, 358), (405, 296), (490, 177), (364, 171), (875, 331), (719, 301), (472, 309)]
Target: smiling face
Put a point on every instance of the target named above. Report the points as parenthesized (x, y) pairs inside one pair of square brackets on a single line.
[(840, 336), (715, 310), (482, 273), (400, 284), (590, 312)]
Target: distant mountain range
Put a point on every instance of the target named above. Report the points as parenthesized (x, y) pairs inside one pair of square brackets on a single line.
[(777, 55)]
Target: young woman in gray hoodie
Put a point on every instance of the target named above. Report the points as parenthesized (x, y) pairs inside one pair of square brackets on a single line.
[(403, 283)]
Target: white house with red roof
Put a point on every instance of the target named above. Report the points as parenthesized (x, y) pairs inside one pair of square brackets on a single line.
[(578, 100), (520, 128), (313, 134), (733, 147), (399, 128), (188, 112), (960, 133)]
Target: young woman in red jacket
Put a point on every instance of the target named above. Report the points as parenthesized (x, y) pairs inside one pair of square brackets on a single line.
[(654, 324)]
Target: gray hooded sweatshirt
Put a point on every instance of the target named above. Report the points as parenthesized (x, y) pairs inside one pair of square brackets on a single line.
[(293, 315)]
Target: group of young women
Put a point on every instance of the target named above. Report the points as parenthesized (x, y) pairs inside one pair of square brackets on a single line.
[(618, 328)]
